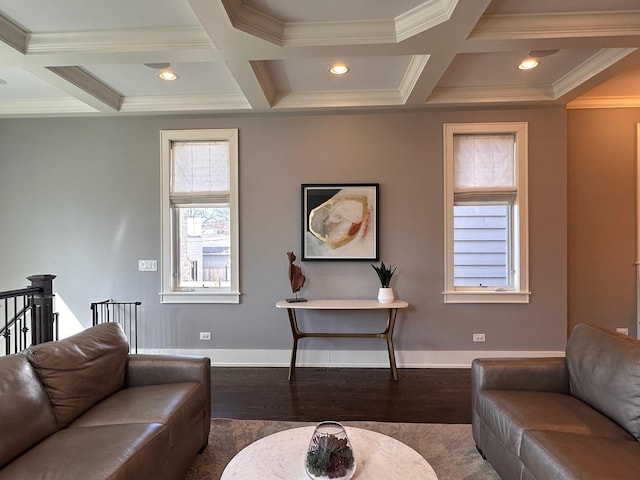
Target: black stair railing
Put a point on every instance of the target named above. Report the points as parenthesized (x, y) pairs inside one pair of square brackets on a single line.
[(27, 316), (124, 313)]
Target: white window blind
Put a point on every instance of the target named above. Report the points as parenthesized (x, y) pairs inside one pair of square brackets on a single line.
[(484, 167), (200, 167)]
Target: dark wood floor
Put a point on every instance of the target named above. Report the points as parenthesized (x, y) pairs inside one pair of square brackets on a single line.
[(441, 395)]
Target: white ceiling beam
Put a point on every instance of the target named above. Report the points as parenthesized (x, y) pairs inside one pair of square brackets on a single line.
[(223, 35), (447, 40)]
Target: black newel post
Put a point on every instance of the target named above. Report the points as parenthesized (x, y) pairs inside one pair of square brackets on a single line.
[(42, 328)]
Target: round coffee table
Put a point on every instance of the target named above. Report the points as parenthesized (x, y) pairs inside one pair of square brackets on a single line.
[(281, 456)]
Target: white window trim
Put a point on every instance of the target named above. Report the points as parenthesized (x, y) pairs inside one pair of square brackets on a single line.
[(520, 293), (167, 295)]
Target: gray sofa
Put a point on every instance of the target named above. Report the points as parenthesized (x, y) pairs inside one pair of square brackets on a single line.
[(83, 408), (576, 417)]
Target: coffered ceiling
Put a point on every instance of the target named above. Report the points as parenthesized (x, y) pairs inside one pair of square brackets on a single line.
[(89, 57)]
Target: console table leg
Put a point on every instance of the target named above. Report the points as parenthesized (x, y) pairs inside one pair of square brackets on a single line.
[(295, 332), (388, 335), (292, 365)]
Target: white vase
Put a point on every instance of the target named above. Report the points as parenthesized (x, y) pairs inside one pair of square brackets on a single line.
[(385, 295)]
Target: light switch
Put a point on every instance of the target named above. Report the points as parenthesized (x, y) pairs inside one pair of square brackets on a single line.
[(147, 265)]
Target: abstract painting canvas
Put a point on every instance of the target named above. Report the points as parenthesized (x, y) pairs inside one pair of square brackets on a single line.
[(340, 221)]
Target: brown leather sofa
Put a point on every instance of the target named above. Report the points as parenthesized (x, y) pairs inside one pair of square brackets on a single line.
[(82, 408), (576, 417)]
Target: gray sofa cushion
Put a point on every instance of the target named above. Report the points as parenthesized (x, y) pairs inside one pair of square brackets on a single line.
[(81, 370), (26, 416), (604, 372)]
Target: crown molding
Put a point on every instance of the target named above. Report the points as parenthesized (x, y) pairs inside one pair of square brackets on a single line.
[(412, 75), (13, 35), (184, 103), (364, 32), (300, 34), (254, 22), (423, 17), (363, 98), (43, 107), (557, 25), (604, 102), (493, 94), (588, 69), (121, 41)]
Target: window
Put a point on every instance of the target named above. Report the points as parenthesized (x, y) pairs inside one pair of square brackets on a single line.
[(486, 240), (200, 216)]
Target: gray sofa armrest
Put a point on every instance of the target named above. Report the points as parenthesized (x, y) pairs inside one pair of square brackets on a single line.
[(534, 374)]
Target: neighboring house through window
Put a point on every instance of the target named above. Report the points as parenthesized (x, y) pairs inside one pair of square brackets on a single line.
[(486, 227), (200, 216)]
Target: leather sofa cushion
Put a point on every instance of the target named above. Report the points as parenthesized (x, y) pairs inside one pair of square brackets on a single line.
[(604, 371), (26, 416), (510, 413), (81, 370), (114, 452), (563, 456), (179, 406)]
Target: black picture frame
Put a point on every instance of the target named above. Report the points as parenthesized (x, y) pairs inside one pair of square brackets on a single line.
[(340, 221)]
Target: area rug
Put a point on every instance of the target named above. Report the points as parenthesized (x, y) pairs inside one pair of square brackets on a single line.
[(449, 448)]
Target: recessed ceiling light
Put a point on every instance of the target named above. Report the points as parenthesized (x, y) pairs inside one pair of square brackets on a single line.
[(168, 75), (528, 64), (339, 69)]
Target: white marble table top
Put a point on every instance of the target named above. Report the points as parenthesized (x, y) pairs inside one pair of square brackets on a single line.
[(281, 456), (342, 304)]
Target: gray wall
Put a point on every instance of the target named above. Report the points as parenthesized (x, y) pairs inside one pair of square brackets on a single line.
[(602, 217), (81, 200)]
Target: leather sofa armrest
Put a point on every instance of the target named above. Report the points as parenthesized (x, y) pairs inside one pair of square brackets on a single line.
[(534, 374), (144, 369)]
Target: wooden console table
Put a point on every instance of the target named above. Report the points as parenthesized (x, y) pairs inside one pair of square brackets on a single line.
[(387, 334)]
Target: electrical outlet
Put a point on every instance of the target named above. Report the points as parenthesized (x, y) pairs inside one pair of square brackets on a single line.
[(205, 335), (624, 331), (478, 337)]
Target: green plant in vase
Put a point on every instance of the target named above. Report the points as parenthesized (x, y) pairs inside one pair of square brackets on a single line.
[(384, 273), (329, 456), (385, 294)]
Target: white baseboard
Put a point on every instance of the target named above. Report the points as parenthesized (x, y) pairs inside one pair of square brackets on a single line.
[(349, 358)]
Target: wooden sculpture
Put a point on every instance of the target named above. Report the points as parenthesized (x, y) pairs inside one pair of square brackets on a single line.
[(296, 278)]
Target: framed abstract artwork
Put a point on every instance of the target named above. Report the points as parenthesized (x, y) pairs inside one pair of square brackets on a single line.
[(340, 221)]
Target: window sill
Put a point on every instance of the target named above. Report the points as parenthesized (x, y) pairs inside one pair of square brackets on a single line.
[(199, 297), (486, 297)]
